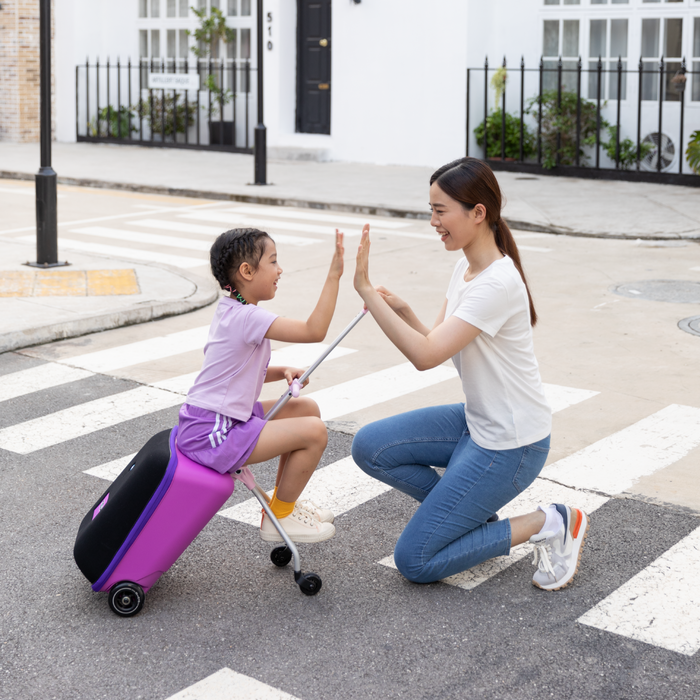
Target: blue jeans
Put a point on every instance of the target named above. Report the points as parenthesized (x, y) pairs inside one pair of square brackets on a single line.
[(448, 533)]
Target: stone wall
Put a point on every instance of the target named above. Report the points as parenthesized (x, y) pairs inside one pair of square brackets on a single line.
[(19, 70)]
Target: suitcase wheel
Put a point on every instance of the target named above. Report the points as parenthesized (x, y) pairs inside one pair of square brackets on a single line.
[(310, 584), (280, 556), (126, 598)]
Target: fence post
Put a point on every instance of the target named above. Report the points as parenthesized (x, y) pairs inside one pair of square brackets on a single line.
[(619, 102), (486, 107), (522, 108), (560, 67), (503, 114), (128, 75), (467, 126), (680, 143), (97, 96), (639, 115), (661, 105), (539, 116), (119, 99), (87, 96), (109, 104), (578, 112), (597, 117)]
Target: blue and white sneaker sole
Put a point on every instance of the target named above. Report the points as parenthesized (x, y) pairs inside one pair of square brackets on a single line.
[(579, 539)]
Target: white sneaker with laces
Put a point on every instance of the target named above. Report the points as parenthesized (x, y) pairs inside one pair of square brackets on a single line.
[(300, 525), (324, 515), (557, 554)]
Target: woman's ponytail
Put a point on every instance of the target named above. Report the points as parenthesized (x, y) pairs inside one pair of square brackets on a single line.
[(507, 245), (471, 182)]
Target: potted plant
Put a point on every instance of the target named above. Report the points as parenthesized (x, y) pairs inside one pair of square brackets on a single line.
[(212, 30), (168, 115)]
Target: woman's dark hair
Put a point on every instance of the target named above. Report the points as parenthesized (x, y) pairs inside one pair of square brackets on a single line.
[(231, 249), (470, 181)]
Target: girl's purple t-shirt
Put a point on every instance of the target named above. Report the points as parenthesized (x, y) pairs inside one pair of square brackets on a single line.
[(236, 357)]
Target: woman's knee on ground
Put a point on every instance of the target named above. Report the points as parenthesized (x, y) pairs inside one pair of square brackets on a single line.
[(407, 559)]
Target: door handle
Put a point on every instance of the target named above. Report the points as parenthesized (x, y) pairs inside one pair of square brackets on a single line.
[(323, 42), (324, 86)]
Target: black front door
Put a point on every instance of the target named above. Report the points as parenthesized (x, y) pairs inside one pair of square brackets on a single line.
[(314, 66)]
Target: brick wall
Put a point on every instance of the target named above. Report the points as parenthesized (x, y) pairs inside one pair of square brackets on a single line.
[(19, 70)]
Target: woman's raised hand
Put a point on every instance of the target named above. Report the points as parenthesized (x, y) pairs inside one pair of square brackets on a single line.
[(337, 264), (361, 280)]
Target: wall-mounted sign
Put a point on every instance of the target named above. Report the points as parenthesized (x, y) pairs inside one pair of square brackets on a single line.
[(173, 81)]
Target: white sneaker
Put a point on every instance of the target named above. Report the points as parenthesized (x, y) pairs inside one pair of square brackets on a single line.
[(324, 515), (300, 525), (557, 554)]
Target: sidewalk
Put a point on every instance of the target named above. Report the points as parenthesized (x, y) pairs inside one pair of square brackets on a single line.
[(550, 204), (571, 206)]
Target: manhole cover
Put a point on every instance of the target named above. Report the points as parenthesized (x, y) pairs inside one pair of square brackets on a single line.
[(690, 325), (675, 291)]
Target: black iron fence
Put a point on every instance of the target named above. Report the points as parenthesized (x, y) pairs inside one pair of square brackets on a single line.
[(602, 119), (205, 104)]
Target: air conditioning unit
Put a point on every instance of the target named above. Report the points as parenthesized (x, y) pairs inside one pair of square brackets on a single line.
[(663, 149)]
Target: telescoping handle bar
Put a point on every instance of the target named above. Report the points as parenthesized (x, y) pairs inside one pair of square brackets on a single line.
[(295, 386)]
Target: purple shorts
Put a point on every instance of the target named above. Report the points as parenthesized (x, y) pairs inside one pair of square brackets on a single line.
[(217, 441)]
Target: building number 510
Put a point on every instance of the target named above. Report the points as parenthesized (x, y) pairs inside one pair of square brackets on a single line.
[(269, 31)]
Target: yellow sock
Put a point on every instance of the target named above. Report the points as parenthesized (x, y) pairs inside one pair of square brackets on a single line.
[(281, 509)]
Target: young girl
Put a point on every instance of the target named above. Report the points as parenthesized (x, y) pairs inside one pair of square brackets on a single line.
[(221, 425), (494, 445)]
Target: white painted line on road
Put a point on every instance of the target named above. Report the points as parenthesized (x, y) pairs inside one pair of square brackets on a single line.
[(615, 463), (378, 387), (308, 215), (111, 470), (695, 269), (561, 397), (180, 384), (120, 253), (340, 486), (156, 209), (234, 221), (38, 378), (534, 249), (229, 685), (141, 351), (661, 604), (29, 191), (86, 418), (214, 231), (121, 234), (540, 492)]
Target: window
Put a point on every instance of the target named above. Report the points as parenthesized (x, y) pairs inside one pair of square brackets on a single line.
[(155, 8), (555, 2), (561, 39), (608, 41), (661, 39), (155, 43), (612, 2)]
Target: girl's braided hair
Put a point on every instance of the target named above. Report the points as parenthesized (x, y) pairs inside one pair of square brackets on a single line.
[(231, 249)]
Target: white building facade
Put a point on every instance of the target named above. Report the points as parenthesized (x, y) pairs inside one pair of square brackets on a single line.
[(384, 81)]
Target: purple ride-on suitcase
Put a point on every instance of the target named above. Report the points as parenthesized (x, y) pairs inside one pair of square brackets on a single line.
[(145, 520)]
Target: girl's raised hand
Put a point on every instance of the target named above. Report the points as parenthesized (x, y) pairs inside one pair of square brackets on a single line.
[(396, 303), (361, 280), (337, 264)]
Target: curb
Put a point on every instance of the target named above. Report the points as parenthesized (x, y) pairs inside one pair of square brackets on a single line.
[(378, 210), (206, 292)]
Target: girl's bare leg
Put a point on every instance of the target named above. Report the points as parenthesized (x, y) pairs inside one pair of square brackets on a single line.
[(298, 434)]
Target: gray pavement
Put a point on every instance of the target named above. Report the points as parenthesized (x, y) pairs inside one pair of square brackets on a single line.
[(537, 203)]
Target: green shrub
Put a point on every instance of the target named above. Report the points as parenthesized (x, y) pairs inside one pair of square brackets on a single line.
[(113, 123), (559, 127), (628, 149), (494, 122), (184, 116), (692, 153)]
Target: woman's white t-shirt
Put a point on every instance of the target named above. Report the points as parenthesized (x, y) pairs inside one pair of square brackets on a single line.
[(505, 403)]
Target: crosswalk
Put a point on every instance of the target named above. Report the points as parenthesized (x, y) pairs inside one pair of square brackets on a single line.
[(588, 478)]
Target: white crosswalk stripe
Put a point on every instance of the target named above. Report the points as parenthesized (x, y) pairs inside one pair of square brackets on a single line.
[(214, 231), (121, 253), (340, 486), (229, 685), (86, 418), (661, 604), (33, 379), (157, 239), (111, 470), (613, 464), (308, 215)]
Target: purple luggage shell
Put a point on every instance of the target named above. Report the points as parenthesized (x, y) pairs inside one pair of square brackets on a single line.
[(188, 498)]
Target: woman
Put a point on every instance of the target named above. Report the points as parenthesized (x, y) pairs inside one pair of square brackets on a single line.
[(495, 444)]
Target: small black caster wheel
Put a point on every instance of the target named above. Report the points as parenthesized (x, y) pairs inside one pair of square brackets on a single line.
[(310, 584), (280, 556), (126, 598)]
